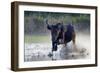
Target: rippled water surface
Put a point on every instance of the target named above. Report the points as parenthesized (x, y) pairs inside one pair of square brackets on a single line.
[(42, 51)]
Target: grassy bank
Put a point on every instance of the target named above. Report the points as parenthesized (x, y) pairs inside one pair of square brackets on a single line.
[(36, 39)]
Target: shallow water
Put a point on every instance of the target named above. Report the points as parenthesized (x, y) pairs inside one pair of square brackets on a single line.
[(42, 51)]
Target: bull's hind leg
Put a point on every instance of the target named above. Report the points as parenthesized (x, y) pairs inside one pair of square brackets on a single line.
[(74, 41), (73, 37)]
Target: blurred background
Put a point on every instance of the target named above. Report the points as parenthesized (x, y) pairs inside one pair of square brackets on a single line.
[(35, 26)]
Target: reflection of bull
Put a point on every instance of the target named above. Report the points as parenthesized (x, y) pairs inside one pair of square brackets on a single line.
[(61, 34)]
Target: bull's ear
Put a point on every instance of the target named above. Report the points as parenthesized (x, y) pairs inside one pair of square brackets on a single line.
[(49, 27)]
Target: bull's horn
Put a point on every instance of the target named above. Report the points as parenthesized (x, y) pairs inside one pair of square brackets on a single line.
[(47, 21)]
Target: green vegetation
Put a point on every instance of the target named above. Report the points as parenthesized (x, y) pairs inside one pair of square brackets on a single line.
[(36, 39), (35, 21), (64, 17)]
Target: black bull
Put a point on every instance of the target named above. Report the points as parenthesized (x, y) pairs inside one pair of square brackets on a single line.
[(61, 35)]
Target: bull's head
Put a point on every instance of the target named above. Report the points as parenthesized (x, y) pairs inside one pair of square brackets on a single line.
[(55, 29)]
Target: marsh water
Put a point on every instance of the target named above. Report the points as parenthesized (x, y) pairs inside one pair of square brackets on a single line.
[(42, 51)]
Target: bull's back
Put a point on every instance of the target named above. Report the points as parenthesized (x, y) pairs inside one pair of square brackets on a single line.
[(69, 33)]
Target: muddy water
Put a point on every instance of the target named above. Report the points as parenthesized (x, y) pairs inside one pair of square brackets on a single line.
[(42, 51)]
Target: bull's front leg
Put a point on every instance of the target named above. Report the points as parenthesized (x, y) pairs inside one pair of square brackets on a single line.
[(54, 46), (54, 49)]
